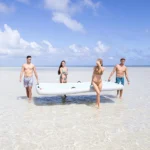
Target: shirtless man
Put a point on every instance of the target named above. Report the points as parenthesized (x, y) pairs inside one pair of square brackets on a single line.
[(120, 70), (27, 70)]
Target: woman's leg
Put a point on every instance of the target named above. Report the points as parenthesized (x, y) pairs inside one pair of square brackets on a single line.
[(121, 92), (118, 92), (96, 88), (100, 89), (65, 79), (61, 80)]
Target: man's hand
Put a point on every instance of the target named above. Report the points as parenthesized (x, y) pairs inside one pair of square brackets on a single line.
[(108, 79), (20, 80), (128, 82)]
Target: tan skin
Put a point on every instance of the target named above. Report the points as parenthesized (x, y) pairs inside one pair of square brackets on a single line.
[(27, 70), (63, 68), (120, 70), (97, 82)]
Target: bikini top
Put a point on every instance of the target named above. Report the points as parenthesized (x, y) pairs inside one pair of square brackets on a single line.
[(97, 71), (64, 72)]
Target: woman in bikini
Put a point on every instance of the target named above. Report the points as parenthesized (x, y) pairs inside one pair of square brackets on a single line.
[(97, 80), (63, 72)]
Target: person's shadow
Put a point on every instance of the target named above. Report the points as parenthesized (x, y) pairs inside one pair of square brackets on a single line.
[(22, 98), (75, 99)]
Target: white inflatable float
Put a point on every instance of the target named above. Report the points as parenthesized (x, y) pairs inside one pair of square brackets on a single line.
[(73, 88)]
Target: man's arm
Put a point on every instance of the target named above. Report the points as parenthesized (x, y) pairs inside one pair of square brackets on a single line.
[(114, 70), (21, 73), (35, 72), (126, 74)]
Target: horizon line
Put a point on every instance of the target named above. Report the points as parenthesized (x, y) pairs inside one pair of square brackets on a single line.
[(82, 66)]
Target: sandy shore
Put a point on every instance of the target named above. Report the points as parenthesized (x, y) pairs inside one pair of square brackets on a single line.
[(49, 124)]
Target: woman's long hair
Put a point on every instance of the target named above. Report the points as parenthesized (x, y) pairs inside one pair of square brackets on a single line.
[(97, 69), (60, 66)]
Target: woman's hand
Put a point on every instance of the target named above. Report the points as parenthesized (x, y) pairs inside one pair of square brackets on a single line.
[(98, 63)]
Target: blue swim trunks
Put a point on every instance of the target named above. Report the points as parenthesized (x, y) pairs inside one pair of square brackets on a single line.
[(120, 80)]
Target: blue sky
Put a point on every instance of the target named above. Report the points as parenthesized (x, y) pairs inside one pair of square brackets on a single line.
[(79, 31)]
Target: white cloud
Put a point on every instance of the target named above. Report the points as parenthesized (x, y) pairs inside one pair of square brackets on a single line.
[(6, 9), (68, 21), (51, 49), (57, 5), (11, 43), (63, 6), (101, 48), (62, 11), (79, 50), (90, 3), (24, 1), (129, 53), (133, 53), (34, 45)]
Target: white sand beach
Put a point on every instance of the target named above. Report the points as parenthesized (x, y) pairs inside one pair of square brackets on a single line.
[(48, 124)]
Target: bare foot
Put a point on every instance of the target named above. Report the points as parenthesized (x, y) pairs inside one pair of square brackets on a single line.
[(98, 106), (120, 98), (29, 100)]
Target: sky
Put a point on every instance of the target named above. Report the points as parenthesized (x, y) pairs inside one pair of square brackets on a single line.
[(78, 31)]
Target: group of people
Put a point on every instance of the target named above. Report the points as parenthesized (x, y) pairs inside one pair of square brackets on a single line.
[(98, 71), (28, 69)]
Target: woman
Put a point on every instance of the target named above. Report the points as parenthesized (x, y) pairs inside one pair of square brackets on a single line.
[(97, 80), (63, 72)]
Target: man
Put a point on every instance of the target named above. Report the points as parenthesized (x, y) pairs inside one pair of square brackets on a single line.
[(27, 70), (120, 70)]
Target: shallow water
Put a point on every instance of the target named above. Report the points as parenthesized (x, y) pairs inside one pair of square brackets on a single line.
[(48, 123)]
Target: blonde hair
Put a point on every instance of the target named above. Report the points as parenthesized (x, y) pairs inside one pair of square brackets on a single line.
[(100, 61), (97, 69)]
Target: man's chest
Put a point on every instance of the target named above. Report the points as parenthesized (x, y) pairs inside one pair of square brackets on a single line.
[(121, 69), (28, 67)]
